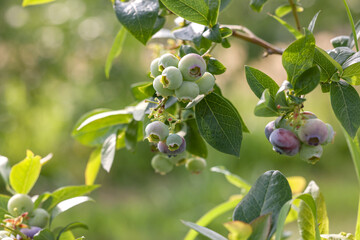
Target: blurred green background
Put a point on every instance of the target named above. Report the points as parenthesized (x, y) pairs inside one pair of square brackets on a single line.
[(52, 71)]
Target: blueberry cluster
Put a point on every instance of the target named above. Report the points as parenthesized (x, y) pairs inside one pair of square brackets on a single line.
[(305, 135), (185, 78), (29, 220), (172, 150), (164, 164)]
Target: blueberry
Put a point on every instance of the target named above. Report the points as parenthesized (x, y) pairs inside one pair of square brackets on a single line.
[(313, 132), (171, 78), (284, 142), (159, 88), (174, 141), (331, 134), (206, 83), (39, 217), (161, 164), (195, 165), (154, 68), (156, 131), (187, 92), (167, 60), (310, 154), (178, 159), (19, 204), (308, 115), (192, 66), (269, 128), (30, 232), (163, 148)]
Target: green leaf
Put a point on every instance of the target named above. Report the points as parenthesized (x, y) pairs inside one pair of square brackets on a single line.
[(224, 4), (259, 81), (291, 29), (95, 134), (204, 231), (345, 102), (257, 5), (238, 230), (214, 8), (215, 67), (213, 34), (65, 193), (69, 227), (44, 234), (269, 193), (131, 135), (93, 166), (261, 227), (266, 106), (286, 9), (68, 235), (307, 81), (186, 49), (314, 191), (138, 17), (115, 50), (313, 21), (108, 152), (3, 206), (340, 41), (142, 90), (307, 198), (243, 125), (195, 144), (233, 178), (68, 204), (352, 69), (219, 124), (26, 3), (24, 175), (327, 64), (104, 120), (299, 56), (192, 10), (341, 54), (212, 214)]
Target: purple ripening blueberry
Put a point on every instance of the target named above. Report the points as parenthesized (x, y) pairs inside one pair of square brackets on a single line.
[(163, 147), (269, 128), (30, 232), (284, 142)]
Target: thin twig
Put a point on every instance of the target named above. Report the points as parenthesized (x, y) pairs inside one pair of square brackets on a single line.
[(247, 35), (294, 12)]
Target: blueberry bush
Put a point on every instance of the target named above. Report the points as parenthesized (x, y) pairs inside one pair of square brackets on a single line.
[(180, 110)]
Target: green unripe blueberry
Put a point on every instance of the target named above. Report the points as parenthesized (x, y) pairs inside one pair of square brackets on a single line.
[(331, 134), (187, 92), (159, 88), (187, 114), (173, 142), (192, 66), (171, 78), (19, 204), (154, 68), (206, 83), (156, 131), (178, 159), (161, 164), (195, 165), (39, 217), (310, 154), (167, 60)]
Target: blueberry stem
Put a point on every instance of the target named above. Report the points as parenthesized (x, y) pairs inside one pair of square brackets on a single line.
[(247, 35)]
